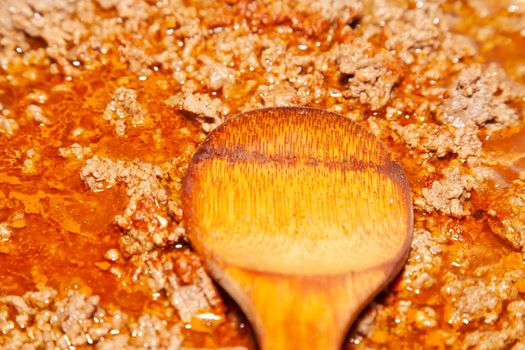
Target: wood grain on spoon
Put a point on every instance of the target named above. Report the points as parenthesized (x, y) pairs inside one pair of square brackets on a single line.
[(302, 217)]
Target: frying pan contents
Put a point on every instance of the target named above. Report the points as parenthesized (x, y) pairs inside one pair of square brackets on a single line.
[(104, 102)]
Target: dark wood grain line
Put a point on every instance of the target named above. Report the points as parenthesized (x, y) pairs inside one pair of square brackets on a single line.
[(239, 155)]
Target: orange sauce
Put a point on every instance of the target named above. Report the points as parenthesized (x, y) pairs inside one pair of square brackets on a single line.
[(66, 228)]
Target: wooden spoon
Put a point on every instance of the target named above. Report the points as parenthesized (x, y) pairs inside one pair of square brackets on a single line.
[(302, 217)]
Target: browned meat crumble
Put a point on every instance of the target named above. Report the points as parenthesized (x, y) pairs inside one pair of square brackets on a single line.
[(103, 102)]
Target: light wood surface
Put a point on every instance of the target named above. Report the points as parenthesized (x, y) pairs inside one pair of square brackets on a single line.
[(302, 217)]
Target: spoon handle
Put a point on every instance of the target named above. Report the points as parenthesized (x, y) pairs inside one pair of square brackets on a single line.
[(295, 317), (307, 312)]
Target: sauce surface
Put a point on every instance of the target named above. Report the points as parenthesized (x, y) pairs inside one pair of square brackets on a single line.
[(186, 66)]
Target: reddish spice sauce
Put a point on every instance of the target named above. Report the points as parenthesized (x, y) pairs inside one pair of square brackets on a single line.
[(66, 228)]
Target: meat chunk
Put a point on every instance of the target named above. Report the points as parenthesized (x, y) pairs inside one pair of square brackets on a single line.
[(73, 314), (24, 311), (75, 151), (36, 114), (5, 232), (126, 8), (363, 326), (369, 76), (512, 332), (145, 226), (410, 31), (7, 125), (480, 299), (152, 333), (123, 110), (31, 159), (182, 276), (217, 76), (144, 220), (41, 298), (278, 95), (482, 94), (210, 112), (506, 213), (309, 16), (141, 179), (426, 318), (458, 47), (441, 139), (54, 21), (424, 262), (448, 194), (335, 10), (78, 320)]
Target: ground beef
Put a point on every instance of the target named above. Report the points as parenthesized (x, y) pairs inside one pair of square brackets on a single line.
[(124, 110), (298, 91), (330, 10), (31, 159), (364, 324), (277, 95), (448, 194), (395, 67), (37, 96), (217, 76), (424, 262), (506, 210), (181, 276), (426, 318), (36, 114), (369, 76), (441, 140), (127, 8), (244, 48), (209, 111), (75, 151), (53, 21), (5, 232), (144, 220), (138, 60), (141, 179), (513, 23), (512, 333), (482, 94), (68, 39), (77, 321), (477, 299), (7, 125), (308, 16), (152, 333), (411, 31), (403, 310), (145, 225), (458, 47)]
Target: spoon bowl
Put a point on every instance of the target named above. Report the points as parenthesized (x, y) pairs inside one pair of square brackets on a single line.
[(302, 216)]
